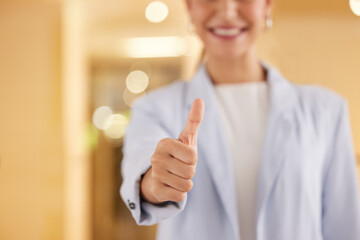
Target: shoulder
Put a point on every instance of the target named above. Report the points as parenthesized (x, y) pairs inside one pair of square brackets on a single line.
[(319, 108), (306, 96), (319, 93), (319, 97)]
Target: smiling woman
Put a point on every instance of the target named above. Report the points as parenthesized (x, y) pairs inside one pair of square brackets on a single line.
[(268, 158)]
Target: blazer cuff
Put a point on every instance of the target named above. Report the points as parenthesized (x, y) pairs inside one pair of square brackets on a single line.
[(143, 212)]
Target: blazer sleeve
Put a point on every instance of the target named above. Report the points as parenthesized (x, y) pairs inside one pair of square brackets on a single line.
[(341, 201), (144, 131)]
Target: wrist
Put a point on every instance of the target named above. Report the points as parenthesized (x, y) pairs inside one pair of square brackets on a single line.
[(145, 188)]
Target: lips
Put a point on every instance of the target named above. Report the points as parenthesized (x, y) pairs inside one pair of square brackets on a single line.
[(227, 31)]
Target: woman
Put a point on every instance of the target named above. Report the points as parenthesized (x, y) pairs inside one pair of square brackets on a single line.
[(266, 160)]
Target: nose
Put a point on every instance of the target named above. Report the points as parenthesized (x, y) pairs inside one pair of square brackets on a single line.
[(227, 8)]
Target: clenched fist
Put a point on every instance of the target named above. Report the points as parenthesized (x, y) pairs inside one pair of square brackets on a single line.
[(173, 163)]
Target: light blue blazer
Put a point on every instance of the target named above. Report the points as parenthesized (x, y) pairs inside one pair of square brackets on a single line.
[(307, 184)]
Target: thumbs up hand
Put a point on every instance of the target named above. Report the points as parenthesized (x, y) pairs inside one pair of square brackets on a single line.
[(173, 163)]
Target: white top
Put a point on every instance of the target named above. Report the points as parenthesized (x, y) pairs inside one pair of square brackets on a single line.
[(243, 109)]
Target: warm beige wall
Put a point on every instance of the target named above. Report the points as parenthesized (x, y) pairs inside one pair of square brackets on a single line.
[(31, 171)]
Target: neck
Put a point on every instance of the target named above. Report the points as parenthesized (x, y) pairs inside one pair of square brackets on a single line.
[(245, 69)]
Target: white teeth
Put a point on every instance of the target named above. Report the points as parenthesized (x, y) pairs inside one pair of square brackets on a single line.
[(227, 31)]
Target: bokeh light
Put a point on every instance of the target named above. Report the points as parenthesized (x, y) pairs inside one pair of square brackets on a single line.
[(355, 6), (115, 126), (100, 115), (151, 47), (156, 11), (137, 81)]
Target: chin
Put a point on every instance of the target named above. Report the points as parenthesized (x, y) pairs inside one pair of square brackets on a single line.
[(229, 54)]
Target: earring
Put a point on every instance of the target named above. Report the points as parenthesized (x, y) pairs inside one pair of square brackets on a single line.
[(268, 22)]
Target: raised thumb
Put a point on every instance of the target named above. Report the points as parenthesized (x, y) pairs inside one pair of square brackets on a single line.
[(189, 134)]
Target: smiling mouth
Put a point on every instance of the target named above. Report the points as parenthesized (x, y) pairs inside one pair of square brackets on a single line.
[(227, 32)]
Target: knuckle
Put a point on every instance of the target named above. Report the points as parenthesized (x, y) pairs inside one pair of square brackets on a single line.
[(164, 143), (178, 197), (185, 140), (182, 197), (188, 185), (162, 164), (158, 161), (155, 174), (154, 159), (161, 145), (191, 136), (191, 171), (185, 174), (192, 157)]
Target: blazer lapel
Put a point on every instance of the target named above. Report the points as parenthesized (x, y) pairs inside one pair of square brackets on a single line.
[(279, 135), (212, 142)]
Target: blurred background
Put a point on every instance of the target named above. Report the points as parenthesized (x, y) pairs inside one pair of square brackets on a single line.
[(71, 69)]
